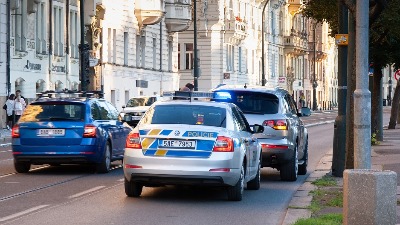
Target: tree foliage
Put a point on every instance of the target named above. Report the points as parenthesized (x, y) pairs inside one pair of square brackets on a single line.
[(323, 11)]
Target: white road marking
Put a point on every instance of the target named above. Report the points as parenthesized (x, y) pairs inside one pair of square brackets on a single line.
[(86, 192), (22, 213), (120, 180)]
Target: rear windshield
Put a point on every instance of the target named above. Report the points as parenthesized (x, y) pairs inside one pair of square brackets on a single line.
[(144, 101), (54, 111), (251, 102), (186, 114)]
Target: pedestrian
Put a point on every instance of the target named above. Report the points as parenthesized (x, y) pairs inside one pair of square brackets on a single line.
[(18, 93), (10, 111), (19, 106), (188, 87)]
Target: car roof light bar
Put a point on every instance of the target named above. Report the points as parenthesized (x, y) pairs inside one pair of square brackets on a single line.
[(69, 93), (190, 95)]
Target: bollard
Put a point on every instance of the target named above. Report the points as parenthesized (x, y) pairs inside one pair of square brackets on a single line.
[(369, 197)]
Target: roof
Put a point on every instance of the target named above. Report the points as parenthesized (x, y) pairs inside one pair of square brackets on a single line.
[(252, 88)]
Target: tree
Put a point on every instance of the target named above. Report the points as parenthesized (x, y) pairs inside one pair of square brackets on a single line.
[(382, 50)]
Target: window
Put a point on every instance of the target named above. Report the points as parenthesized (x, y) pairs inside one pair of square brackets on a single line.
[(20, 19), (170, 49), (114, 39), (126, 48), (189, 56), (240, 59), (41, 47), (143, 51), (280, 23), (95, 111), (109, 43), (230, 53), (272, 23), (112, 111), (155, 52), (53, 111), (179, 56), (104, 113), (137, 50), (273, 65), (74, 34), (58, 31)]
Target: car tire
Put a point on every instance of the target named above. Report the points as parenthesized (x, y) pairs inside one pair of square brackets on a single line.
[(235, 193), (22, 167), (132, 189), (105, 165), (289, 170), (303, 167), (255, 183)]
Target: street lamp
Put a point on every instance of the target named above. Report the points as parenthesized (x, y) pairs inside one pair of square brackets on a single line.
[(314, 84), (84, 51), (263, 80), (195, 62)]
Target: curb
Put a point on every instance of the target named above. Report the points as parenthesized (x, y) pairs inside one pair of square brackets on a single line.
[(298, 206)]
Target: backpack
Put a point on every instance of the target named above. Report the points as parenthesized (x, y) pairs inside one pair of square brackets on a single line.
[(5, 106)]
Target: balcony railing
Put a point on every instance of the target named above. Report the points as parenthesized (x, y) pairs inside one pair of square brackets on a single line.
[(295, 45), (178, 15), (149, 12)]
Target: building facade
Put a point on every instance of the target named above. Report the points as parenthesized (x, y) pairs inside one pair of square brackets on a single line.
[(3, 59)]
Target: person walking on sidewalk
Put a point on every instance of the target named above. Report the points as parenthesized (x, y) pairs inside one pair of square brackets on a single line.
[(19, 106), (10, 111)]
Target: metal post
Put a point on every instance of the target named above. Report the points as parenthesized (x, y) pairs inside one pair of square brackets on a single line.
[(8, 74), (314, 85), (195, 62), (84, 50), (389, 99), (362, 96), (263, 80), (339, 135), (161, 62)]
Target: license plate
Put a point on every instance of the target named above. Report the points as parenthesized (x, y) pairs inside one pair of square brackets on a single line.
[(51, 132), (177, 144), (136, 117)]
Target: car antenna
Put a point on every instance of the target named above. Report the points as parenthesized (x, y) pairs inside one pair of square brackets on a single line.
[(245, 85)]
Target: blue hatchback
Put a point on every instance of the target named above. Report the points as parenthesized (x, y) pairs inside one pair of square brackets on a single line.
[(69, 130)]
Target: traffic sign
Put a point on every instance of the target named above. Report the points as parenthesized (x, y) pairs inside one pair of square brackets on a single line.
[(342, 39), (397, 74)]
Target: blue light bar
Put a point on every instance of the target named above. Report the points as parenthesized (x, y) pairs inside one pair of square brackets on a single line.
[(222, 95)]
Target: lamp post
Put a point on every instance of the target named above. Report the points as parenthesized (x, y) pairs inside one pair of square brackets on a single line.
[(263, 80), (314, 84), (84, 51), (195, 63)]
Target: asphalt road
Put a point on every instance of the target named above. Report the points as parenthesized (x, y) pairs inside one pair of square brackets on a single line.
[(76, 195)]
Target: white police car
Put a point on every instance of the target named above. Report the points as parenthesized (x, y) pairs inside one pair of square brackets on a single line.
[(193, 143)]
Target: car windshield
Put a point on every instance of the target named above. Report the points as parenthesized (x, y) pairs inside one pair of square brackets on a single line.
[(186, 114), (53, 111), (142, 101), (251, 102)]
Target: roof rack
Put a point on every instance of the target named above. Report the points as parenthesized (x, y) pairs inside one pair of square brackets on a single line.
[(190, 95), (69, 93)]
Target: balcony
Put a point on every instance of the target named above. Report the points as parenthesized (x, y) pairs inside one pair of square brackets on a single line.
[(178, 15), (236, 30), (294, 6), (149, 12), (295, 45)]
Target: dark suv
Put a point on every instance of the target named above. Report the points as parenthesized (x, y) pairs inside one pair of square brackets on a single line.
[(285, 139), (69, 130)]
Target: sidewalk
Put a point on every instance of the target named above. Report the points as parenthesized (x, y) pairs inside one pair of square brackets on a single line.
[(385, 156), (5, 138)]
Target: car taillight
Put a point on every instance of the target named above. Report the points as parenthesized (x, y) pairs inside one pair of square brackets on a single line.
[(223, 144), (15, 131), (133, 141), (89, 131), (276, 124)]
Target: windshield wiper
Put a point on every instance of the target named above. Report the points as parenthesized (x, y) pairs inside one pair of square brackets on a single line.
[(252, 112)]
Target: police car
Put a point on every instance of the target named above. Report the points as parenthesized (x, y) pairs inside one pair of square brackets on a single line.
[(193, 142)]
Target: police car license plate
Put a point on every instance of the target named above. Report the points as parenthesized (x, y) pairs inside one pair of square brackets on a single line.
[(51, 132), (177, 144)]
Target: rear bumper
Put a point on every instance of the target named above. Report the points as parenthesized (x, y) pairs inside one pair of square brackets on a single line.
[(160, 179), (57, 154), (280, 154)]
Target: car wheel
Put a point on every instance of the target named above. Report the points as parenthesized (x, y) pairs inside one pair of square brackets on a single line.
[(290, 169), (235, 193), (105, 165), (255, 183), (22, 167), (132, 189), (303, 167)]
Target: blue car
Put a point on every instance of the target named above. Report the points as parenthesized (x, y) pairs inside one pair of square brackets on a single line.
[(69, 130)]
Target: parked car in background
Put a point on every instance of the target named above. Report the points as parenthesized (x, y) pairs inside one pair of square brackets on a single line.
[(285, 139), (193, 143), (136, 107), (69, 130)]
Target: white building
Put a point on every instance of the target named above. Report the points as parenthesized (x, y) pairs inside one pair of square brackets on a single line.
[(3, 59)]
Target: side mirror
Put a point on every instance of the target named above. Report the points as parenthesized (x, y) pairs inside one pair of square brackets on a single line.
[(257, 128), (305, 111)]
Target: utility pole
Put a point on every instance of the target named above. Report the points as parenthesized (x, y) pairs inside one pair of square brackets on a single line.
[(315, 84), (263, 80), (84, 51), (339, 136), (8, 74), (195, 63), (362, 96)]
